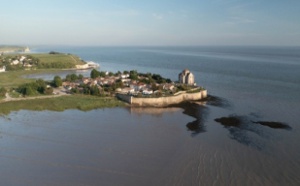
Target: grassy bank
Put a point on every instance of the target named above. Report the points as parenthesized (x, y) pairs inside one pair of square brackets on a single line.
[(62, 103), (40, 61), (14, 78), (57, 60)]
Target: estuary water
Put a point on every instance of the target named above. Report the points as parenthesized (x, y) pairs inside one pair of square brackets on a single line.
[(173, 146)]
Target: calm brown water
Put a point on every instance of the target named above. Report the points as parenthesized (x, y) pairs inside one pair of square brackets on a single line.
[(141, 147)]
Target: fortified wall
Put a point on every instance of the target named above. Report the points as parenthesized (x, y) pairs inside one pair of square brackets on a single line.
[(163, 101)]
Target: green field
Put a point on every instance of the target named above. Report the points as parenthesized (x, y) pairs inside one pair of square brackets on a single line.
[(41, 61), (58, 60), (81, 102), (14, 78)]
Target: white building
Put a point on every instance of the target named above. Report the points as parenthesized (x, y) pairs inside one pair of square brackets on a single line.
[(15, 62), (186, 77), (22, 58)]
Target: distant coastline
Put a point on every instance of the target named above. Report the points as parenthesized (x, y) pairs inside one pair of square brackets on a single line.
[(13, 49)]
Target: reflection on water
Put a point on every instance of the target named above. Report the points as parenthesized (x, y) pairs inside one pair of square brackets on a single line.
[(200, 113), (157, 112), (197, 111)]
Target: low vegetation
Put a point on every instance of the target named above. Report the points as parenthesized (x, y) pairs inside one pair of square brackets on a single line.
[(14, 79), (62, 103), (2, 92), (35, 88), (57, 61)]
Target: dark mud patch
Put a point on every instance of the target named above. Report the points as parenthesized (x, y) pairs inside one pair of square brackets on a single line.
[(231, 121), (242, 128), (274, 125)]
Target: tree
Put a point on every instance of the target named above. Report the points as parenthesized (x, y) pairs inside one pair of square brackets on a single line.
[(94, 90), (95, 73), (28, 91), (74, 77), (133, 75), (68, 77), (57, 81), (102, 74), (40, 86), (80, 76), (71, 77)]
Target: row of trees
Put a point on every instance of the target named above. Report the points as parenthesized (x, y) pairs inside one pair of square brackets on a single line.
[(55, 64), (88, 90)]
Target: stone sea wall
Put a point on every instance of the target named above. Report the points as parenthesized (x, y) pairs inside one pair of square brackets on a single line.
[(163, 101)]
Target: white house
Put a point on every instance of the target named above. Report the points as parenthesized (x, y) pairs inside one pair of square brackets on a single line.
[(15, 62), (147, 92), (127, 90), (137, 86), (124, 76), (22, 58), (2, 69)]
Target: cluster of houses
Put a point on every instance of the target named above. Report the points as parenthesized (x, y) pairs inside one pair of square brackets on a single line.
[(19, 60), (132, 87)]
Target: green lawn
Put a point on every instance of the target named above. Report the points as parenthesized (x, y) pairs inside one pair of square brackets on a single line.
[(14, 78), (54, 58), (81, 102)]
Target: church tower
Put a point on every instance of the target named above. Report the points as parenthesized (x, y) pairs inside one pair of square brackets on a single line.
[(186, 77)]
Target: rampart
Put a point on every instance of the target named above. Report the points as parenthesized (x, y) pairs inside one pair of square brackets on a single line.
[(163, 101)]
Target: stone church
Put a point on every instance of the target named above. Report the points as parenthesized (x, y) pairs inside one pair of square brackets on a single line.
[(186, 77)]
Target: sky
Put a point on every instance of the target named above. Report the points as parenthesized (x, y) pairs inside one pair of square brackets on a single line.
[(150, 22)]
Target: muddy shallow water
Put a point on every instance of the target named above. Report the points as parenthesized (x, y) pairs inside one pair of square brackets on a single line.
[(124, 146)]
